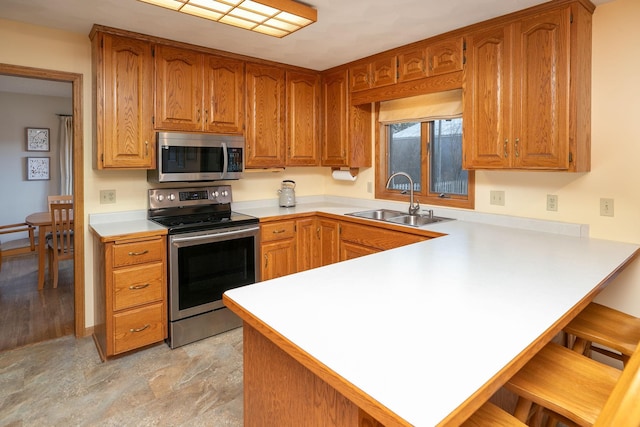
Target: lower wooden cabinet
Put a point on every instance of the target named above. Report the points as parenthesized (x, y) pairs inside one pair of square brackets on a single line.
[(278, 249), (357, 240), (131, 293), (298, 244)]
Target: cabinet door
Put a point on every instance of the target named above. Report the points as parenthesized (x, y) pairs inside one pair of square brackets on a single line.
[(359, 77), (541, 91), (384, 72), (124, 107), (445, 56), (350, 250), (334, 119), (303, 119), (411, 65), (307, 247), (224, 95), (265, 116), (179, 83), (328, 241), (278, 258), (487, 106)]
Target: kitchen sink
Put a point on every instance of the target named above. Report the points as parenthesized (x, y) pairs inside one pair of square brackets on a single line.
[(379, 214), (398, 217)]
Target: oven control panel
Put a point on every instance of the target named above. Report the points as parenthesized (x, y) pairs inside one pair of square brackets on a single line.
[(176, 197)]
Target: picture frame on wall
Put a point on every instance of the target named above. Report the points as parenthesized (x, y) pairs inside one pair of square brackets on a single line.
[(38, 168), (37, 139)]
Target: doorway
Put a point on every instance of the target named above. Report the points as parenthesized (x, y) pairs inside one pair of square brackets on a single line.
[(78, 176)]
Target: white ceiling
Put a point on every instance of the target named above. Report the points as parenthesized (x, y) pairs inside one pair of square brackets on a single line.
[(346, 29)]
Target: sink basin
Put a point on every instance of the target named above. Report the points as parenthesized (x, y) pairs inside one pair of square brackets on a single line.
[(416, 220), (379, 214), (398, 217)]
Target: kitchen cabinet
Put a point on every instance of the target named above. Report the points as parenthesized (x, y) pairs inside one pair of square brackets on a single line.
[(378, 73), (527, 93), (197, 92), (123, 98), (432, 59), (265, 121), (131, 308), (328, 241), (307, 235), (278, 248), (358, 240), (303, 118), (346, 129)]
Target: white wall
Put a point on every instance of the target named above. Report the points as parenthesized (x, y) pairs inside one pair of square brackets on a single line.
[(19, 196), (616, 36)]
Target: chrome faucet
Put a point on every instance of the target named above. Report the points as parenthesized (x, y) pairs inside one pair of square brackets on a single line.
[(413, 208)]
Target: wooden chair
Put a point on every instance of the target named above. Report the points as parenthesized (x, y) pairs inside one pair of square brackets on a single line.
[(60, 246), (64, 198), (580, 389), (602, 325), (18, 228)]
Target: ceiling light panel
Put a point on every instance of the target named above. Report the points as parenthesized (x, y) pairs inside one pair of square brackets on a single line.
[(277, 18)]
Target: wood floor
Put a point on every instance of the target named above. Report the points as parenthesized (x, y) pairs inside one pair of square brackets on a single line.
[(27, 315)]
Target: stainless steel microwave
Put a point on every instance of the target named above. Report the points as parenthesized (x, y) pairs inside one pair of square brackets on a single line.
[(191, 157)]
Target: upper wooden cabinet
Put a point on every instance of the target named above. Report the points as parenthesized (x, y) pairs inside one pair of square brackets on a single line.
[(527, 93), (265, 128), (303, 119), (346, 129), (432, 59), (198, 92), (123, 96), (378, 73)]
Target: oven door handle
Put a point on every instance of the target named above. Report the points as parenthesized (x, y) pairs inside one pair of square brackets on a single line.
[(214, 235)]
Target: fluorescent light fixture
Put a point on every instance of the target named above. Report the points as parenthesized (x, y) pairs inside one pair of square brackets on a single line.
[(277, 18)]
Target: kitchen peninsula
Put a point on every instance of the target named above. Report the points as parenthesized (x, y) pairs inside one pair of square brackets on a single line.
[(419, 335)]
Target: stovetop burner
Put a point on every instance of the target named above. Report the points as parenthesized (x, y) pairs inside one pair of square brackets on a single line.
[(185, 210)]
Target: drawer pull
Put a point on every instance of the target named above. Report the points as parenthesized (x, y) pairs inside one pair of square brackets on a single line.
[(146, 251), (279, 231), (140, 329), (137, 287)]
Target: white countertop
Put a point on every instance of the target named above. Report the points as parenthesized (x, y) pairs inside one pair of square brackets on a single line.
[(420, 328)]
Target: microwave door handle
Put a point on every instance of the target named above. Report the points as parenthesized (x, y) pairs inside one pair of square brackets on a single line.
[(225, 160)]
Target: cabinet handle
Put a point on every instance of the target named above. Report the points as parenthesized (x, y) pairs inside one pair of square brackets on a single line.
[(137, 287), (318, 232), (266, 261), (140, 329), (206, 116), (517, 151), (146, 251), (506, 142), (279, 231), (146, 148), (198, 117)]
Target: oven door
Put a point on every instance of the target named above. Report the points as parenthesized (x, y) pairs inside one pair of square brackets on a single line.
[(203, 265)]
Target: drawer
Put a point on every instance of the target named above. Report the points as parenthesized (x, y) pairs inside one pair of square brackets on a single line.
[(139, 327), (137, 285), (138, 252), (277, 231), (375, 237)]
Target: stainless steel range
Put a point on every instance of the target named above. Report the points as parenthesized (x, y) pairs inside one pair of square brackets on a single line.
[(211, 250)]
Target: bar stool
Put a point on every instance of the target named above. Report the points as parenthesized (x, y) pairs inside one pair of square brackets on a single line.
[(603, 325), (581, 390)]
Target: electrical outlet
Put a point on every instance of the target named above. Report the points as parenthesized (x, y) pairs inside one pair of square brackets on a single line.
[(369, 187), (606, 207), (496, 197), (107, 196), (552, 202)]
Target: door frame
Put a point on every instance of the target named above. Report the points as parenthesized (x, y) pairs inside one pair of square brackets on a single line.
[(78, 176)]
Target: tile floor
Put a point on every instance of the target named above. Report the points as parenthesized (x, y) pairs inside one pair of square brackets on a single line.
[(62, 382)]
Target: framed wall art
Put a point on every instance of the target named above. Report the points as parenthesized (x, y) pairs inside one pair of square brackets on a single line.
[(37, 139), (37, 168)]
